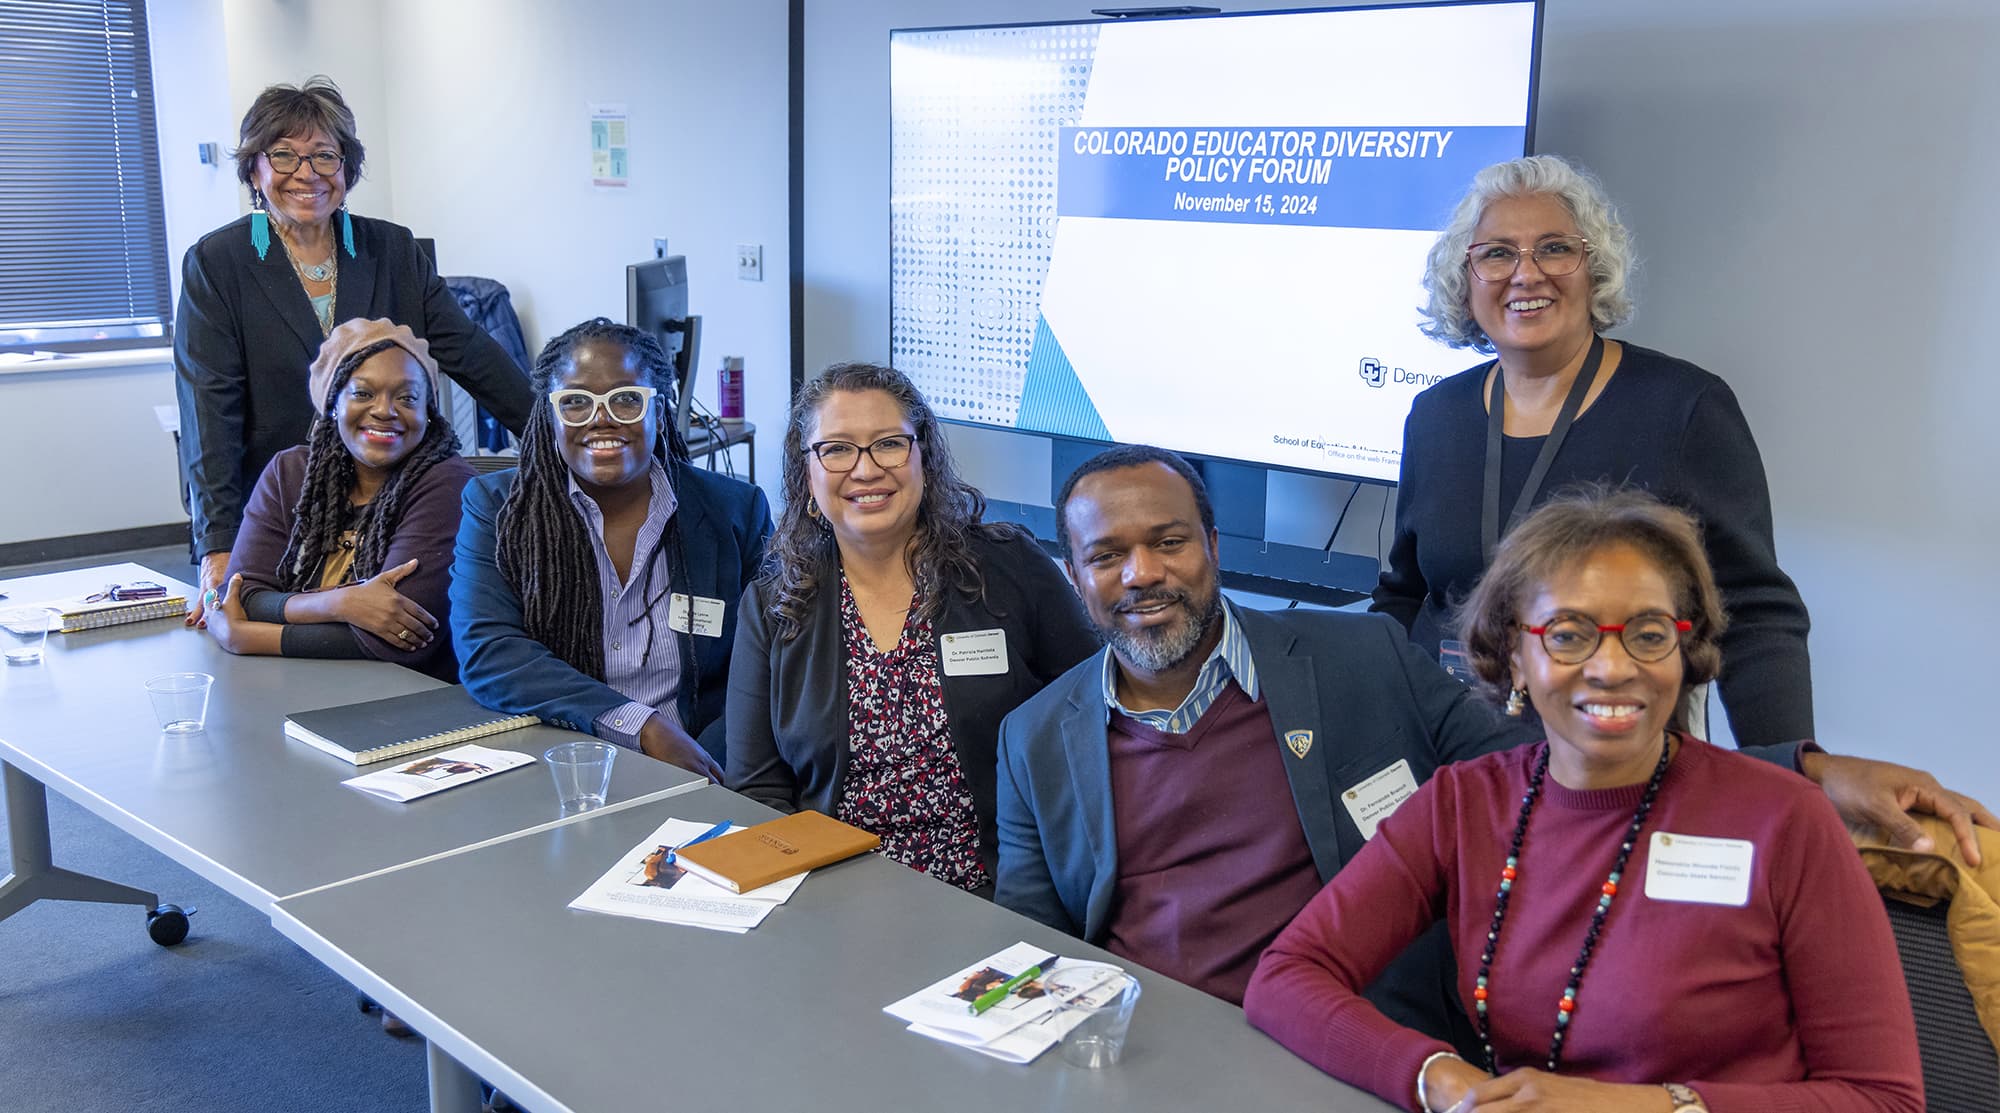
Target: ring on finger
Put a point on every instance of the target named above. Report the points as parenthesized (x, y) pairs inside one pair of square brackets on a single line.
[(402, 635)]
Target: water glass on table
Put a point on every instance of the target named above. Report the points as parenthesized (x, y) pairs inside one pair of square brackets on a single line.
[(582, 771), (27, 631), (180, 700), (1098, 1040)]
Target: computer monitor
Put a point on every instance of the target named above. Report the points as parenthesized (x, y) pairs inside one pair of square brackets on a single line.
[(656, 300)]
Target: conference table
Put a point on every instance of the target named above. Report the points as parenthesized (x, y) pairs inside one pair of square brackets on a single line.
[(260, 815), (451, 910), (567, 1010)]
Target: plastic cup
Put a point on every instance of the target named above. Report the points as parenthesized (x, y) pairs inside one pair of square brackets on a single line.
[(27, 631), (583, 774), (180, 700), (1098, 1040)]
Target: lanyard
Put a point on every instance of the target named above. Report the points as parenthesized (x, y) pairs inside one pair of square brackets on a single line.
[(1496, 406)]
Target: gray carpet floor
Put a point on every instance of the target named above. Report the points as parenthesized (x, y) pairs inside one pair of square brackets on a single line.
[(95, 1016)]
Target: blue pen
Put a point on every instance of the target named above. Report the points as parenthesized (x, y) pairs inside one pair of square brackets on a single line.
[(719, 829)]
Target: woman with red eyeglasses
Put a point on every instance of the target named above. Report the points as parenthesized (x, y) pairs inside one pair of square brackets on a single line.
[(1533, 268), (1642, 921)]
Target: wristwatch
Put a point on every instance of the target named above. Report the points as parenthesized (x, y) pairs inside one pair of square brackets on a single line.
[(1684, 1099)]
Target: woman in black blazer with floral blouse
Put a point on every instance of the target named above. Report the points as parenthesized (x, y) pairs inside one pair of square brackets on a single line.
[(891, 632)]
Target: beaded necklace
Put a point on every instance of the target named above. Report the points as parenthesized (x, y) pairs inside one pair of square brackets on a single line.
[(1565, 1007), (328, 272)]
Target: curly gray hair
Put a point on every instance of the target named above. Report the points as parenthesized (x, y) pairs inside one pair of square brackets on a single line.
[(1448, 314)]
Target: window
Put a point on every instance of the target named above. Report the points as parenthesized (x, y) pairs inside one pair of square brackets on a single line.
[(83, 251)]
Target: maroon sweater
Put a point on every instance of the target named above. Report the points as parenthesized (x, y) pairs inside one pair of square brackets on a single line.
[(1204, 881), (1792, 1002), (426, 533)]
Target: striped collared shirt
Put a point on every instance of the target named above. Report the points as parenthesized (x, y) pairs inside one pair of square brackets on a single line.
[(1230, 660), (647, 688)]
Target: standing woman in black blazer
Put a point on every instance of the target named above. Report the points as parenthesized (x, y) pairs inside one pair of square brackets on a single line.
[(891, 632), (260, 294)]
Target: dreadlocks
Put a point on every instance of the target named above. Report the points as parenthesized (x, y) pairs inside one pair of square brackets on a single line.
[(544, 550), (319, 518)]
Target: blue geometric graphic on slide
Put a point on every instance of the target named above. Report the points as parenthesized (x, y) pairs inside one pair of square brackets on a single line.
[(1052, 397)]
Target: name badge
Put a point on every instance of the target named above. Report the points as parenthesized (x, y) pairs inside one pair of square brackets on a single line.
[(1698, 870), (1376, 798), (974, 653), (702, 614)]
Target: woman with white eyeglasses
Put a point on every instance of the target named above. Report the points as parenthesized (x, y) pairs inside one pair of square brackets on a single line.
[(596, 585), (891, 633), (260, 294)]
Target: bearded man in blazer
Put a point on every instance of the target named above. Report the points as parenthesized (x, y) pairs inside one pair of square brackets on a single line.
[(1180, 795)]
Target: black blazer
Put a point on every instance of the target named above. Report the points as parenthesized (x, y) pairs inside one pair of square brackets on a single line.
[(787, 707), (245, 335), (724, 524)]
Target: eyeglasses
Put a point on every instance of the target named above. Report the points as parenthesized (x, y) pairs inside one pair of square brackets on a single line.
[(841, 457), (324, 163), (1556, 256), (1572, 639), (627, 405)]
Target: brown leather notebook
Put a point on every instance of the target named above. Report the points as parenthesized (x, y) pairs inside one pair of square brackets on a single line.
[(756, 856)]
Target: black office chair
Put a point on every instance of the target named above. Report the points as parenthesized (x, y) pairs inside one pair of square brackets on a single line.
[(1961, 1070)]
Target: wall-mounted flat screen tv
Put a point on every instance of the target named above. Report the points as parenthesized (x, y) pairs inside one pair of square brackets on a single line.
[(1204, 233)]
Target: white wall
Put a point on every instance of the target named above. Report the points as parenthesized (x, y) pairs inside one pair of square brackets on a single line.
[(271, 42), (1808, 186), (488, 134), (1811, 188)]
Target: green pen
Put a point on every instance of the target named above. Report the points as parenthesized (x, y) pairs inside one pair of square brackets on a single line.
[(999, 992)]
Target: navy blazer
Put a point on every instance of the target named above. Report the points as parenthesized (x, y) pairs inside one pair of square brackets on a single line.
[(245, 335), (724, 523), (788, 699), (1366, 694)]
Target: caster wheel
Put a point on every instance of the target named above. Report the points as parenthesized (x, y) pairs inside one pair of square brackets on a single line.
[(168, 924), (363, 1002)]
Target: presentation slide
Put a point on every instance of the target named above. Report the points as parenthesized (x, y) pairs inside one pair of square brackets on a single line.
[(1206, 234)]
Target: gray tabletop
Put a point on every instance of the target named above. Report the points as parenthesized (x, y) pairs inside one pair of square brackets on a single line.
[(242, 805), (569, 1010)]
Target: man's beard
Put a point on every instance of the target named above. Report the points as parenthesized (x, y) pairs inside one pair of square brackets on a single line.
[(1158, 648)]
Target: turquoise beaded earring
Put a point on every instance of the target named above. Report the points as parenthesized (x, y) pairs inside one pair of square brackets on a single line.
[(346, 230), (260, 223)]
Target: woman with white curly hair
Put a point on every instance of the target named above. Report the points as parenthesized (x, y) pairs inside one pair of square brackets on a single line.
[(1533, 269)]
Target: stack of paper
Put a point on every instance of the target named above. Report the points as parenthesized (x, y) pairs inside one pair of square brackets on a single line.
[(438, 772), (645, 885), (1027, 1022)]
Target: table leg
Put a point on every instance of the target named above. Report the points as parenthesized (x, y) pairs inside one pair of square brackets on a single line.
[(35, 875), (453, 1088)]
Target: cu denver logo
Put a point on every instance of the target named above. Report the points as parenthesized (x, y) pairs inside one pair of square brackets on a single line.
[(1372, 371)]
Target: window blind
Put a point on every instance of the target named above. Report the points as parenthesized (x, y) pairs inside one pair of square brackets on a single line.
[(83, 252)]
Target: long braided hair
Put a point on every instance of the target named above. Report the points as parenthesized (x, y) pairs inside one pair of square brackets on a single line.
[(544, 548), (803, 553), (319, 517)]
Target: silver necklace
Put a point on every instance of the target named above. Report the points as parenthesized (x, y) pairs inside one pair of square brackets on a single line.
[(328, 271)]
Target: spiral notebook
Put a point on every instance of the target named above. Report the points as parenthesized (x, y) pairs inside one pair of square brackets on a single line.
[(364, 733), (76, 614)]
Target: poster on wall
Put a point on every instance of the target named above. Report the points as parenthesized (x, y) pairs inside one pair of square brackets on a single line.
[(610, 153)]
